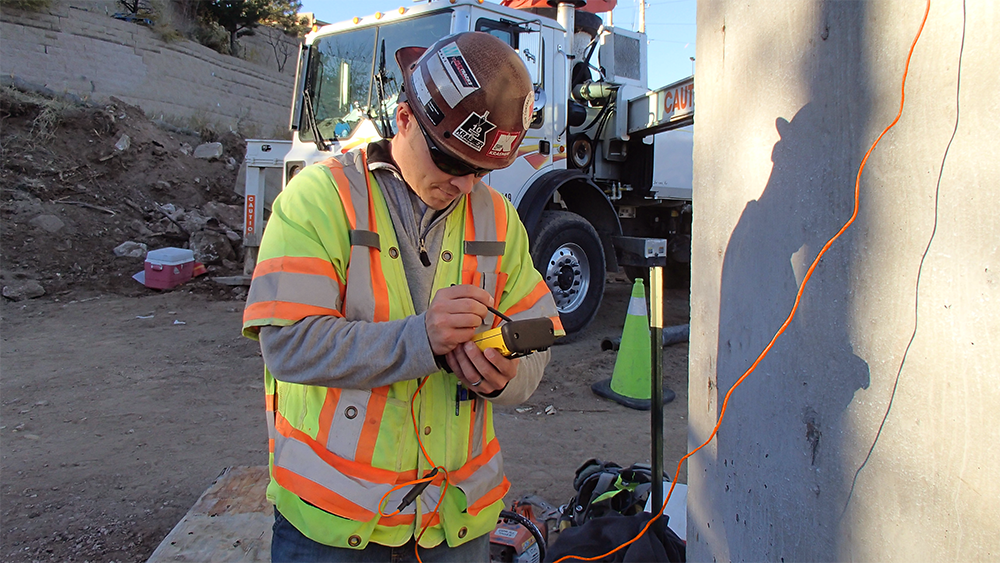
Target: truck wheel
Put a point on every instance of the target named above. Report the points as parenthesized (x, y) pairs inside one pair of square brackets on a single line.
[(569, 255)]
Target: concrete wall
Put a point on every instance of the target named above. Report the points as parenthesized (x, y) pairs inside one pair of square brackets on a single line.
[(79, 49), (895, 349)]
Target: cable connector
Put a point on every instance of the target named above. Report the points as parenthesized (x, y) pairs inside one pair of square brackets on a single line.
[(416, 490)]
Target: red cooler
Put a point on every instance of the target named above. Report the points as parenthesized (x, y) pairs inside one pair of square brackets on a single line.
[(168, 267)]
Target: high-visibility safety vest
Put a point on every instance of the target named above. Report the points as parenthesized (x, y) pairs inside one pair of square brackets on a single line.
[(330, 249)]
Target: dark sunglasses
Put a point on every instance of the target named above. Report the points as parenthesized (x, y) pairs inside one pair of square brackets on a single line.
[(449, 164)]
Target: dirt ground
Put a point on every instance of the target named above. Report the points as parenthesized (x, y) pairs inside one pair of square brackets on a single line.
[(118, 412), (119, 405)]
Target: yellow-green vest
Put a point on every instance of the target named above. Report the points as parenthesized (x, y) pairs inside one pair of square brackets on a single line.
[(334, 453)]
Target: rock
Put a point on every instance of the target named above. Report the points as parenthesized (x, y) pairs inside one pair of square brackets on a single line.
[(175, 211), (209, 151), (141, 228), (185, 149), (19, 290), (131, 249), (229, 215), (231, 163), (211, 247), (163, 185), (124, 142), (47, 222), (192, 220)]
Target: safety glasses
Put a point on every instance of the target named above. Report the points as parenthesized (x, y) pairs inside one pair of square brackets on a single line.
[(449, 164)]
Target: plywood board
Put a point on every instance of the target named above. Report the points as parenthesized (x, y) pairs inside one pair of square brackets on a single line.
[(231, 521)]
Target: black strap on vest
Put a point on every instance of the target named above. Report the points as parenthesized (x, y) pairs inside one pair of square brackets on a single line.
[(485, 247), (365, 238)]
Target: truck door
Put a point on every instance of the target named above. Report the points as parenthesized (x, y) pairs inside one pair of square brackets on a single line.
[(536, 153)]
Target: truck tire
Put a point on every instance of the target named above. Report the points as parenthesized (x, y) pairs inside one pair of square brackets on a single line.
[(568, 253)]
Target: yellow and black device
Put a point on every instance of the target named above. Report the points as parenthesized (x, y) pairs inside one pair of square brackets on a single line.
[(517, 338)]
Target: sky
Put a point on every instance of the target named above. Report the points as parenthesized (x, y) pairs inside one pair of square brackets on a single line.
[(670, 28)]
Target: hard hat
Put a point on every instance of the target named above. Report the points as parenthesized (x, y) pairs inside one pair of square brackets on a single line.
[(472, 96)]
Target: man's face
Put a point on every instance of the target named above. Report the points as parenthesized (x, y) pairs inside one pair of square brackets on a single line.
[(412, 153)]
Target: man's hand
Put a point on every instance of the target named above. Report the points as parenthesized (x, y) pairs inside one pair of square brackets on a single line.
[(483, 371), (454, 315)]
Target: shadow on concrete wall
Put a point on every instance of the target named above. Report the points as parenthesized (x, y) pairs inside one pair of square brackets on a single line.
[(781, 479)]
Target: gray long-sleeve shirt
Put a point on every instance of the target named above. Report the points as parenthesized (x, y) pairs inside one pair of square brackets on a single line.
[(335, 352)]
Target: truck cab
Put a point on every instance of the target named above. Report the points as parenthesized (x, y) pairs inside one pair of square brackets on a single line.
[(584, 172)]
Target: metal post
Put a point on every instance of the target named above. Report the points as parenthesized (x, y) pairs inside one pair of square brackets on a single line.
[(656, 395)]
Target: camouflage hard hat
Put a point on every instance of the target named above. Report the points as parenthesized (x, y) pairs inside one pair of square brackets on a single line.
[(471, 94)]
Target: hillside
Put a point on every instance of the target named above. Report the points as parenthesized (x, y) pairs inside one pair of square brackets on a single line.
[(77, 181)]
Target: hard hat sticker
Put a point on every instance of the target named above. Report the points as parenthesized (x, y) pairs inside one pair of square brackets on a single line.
[(473, 130), (503, 144), (423, 95), (529, 110), (434, 113), (451, 74), (453, 60)]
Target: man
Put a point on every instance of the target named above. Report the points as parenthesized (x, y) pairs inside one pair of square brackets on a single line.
[(374, 273)]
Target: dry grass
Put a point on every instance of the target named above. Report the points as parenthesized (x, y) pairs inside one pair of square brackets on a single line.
[(48, 111), (26, 5)]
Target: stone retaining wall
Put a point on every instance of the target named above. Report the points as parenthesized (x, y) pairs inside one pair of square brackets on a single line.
[(85, 52)]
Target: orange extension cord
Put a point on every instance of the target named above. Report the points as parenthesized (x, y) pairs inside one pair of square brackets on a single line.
[(791, 315), (431, 477)]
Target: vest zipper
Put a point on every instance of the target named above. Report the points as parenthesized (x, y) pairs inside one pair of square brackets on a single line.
[(424, 258)]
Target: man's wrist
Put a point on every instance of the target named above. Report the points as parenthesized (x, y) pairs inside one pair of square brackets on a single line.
[(442, 362), (494, 394)]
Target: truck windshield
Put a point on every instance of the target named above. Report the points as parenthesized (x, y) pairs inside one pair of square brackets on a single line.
[(342, 68)]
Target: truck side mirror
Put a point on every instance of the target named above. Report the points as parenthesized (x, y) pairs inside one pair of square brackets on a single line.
[(530, 51)]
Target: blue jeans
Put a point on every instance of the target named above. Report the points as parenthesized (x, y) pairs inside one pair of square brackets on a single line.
[(289, 545)]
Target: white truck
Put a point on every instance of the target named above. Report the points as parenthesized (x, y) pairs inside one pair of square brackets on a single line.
[(589, 184)]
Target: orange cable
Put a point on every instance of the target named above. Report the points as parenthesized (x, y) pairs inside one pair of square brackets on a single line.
[(791, 315), (437, 508)]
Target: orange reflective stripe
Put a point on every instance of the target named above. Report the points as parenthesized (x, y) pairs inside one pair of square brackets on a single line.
[(500, 212), (397, 520), (370, 430), (557, 324), (429, 520), (500, 220), (471, 262), (320, 496), (345, 466), (380, 287), (326, 414), (489, 498), (266, 310), (529, 300), (270, 405), (472, 277), (501, 284), (343, 188), (473, 465), (297, 265)]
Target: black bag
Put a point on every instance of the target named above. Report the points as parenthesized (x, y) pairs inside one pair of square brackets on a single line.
[(604, 487), (609, 510), (600, 535)]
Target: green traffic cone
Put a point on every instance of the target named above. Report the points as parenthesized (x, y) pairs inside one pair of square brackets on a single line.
[(630, 381)]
